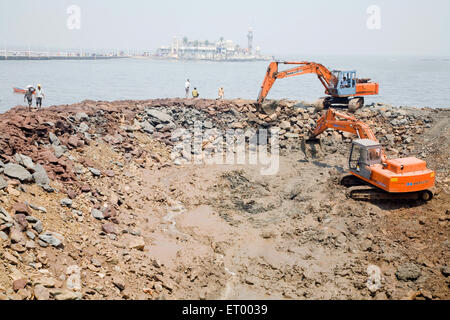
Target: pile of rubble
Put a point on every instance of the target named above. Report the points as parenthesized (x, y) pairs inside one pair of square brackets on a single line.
[(59, 157), (40, 143), (395, 127)]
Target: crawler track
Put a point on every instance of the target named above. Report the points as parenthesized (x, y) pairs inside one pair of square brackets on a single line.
[(361, 190)]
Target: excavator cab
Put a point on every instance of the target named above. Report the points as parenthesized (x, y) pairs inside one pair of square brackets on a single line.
[(364, 153), (345, 85)]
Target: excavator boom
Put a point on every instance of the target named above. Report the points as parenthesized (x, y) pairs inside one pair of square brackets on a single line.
[(324, 75), (349, 124)]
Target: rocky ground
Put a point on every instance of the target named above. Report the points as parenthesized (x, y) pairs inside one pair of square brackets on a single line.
[(97, 201)]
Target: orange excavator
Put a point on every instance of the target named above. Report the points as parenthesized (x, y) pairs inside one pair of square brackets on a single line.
[(342, 87), (403, 178)]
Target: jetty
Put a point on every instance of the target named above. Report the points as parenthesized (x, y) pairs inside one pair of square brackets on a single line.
[(36, 55)]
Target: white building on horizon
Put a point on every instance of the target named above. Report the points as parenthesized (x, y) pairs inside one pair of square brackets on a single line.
[(205, 50)]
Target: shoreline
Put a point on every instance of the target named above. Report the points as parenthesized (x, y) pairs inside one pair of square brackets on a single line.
[(37, 58), (248, 101), (21, 58)]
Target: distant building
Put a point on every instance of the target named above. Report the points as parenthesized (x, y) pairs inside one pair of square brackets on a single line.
[(204, 50)]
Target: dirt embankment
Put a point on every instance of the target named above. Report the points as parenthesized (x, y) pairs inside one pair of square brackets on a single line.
[(98, 201)]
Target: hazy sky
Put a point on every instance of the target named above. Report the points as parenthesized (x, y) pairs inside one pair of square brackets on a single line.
[(413, 27)]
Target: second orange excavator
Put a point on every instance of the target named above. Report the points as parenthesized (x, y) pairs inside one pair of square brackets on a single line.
[(342, 87), (402, 178)]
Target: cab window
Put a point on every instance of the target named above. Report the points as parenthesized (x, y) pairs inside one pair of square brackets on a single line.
[(374, 154), (355, 155)]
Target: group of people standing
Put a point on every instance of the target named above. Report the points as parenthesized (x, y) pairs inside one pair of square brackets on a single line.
[(29, 96), (195, 94)]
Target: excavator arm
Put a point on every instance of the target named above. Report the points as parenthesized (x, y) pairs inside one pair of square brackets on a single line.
[(324, 75), (348, 124)]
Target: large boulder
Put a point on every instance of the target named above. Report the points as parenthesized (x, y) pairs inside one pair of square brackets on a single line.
[(160, 116), (40, 176), (21, 207), (80, 116), (16, 171), (95, 172), (408, 271), (59, 151), (25, 161), (66, 202), (53, 139), (41, 292), (97, 214), (51, 239), (3, 183), (137, 243), (5, 217), (38, 226), (109, 228), (445, 271), (83, 127), (147, 127)]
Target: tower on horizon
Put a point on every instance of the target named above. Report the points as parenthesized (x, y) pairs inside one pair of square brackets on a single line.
[(250, 40)]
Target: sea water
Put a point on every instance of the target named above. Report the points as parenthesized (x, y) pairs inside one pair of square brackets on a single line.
[(404, 81)]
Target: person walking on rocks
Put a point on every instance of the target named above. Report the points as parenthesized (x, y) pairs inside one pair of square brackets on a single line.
[(187, 85), (39, 96), (29, 96), (221, 93)]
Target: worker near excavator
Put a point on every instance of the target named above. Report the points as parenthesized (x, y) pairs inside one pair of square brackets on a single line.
[(195, 93), (187, 85), (29, 96), (39, 96)]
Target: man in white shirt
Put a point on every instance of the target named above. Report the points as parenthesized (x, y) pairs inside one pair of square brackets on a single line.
[(187, 85), (221, 93), (39, 96)]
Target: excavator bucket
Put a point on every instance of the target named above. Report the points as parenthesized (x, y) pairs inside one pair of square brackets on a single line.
[(312, 147)]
